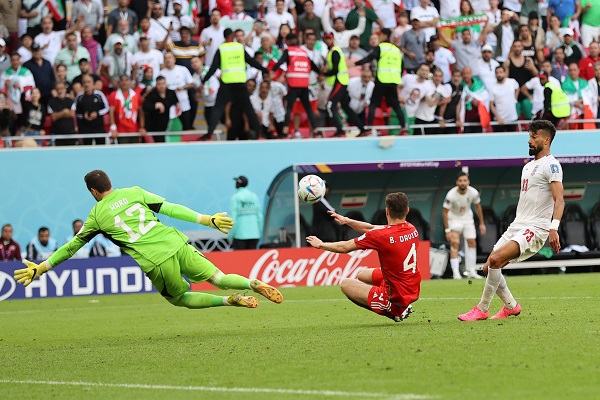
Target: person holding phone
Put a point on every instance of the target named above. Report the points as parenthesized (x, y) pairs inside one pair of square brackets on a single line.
[(521, 68)]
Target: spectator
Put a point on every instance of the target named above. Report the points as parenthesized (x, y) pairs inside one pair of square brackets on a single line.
[(494, 15), (225, 7), (414, 88), (474, 94), (284, 31), (116, 63), (9, 249), (212, 36), (412, 46), (251, 8), (10, 16), (70, 56), (432, 107), (52, 41), (42, 72), (85, 250), (352, 22), (93, 47), (573, 86), (33, 116), (42, 246), (7, 118), (25, 49), (92, 11), (186, 48), (386, 12), (60, 75), (122, 13), (573, 53), (521, 69), (560, 70), (271, 53), (352, 54), (506, 33), (280, 16), (586, 65), (402, 27), (141, 8), (208, 91), (148, 57), (157, 106), (125, 117), (62, 115), (247, 211), (146, 84), (529, 9), (17, 80), (318, 57), (238, 14), (565, 10), (486, 66), (309, 20), (503, 101), (534, 89), (157, 36), (262, 103), (340, 34), (180, 20), (278, 92), (537, 32), (449, 8), (338, 9), (449, 114), (529, 45), (4, 59), (466, 10), (360, 90), (122, 34), (322, 223), (4, 34), (161, 24), (254, 37), (590, 27), (513, 6), (84, 67), (554, 36), (32, 12), (594, 84), (240, 37), (466, 50), (180, 79), (90, 106), (428, 17), (443, 58)]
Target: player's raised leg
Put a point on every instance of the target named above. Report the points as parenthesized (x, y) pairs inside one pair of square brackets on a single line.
[(495, 262)]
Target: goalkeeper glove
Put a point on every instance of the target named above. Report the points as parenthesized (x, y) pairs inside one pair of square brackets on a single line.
[(33, 270), (218, 221)]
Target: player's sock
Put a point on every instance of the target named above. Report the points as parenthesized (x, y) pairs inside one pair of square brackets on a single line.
[(199, 300), (470, 259), (230, 281), (454, 264), (491, 285), (504, 293)]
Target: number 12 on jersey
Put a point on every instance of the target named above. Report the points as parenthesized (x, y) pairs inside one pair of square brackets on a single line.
[(143, 228)]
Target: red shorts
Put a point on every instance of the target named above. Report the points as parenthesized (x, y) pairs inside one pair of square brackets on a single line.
[(379, 301), (298, 109)]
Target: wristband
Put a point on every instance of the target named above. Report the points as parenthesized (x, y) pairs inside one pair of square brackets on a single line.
[(447, 230), (554, 224), (113, 127)]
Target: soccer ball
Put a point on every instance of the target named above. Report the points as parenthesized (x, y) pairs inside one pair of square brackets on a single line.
[(311, 189)]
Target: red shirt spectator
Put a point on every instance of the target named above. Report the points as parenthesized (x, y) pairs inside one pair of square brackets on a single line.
[(586, 65), (9, 249)]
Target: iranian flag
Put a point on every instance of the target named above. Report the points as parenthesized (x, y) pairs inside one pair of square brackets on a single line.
[(193, 9), (57, 9)]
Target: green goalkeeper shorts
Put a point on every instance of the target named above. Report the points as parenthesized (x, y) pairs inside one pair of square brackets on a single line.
[(168, 279)]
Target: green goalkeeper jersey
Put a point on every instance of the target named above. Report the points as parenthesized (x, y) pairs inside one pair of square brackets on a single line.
[(126, 217)]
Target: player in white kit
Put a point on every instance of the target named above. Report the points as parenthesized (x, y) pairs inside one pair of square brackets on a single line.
[(539, 211), (458, 219)]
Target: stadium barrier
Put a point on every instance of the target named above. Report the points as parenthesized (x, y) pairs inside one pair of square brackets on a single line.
[(120, 275)]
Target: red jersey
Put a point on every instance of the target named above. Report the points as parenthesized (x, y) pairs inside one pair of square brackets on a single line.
[(127, 105), (396, 246)]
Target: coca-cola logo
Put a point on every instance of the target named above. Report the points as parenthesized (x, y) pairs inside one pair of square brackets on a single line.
[(326, 269)]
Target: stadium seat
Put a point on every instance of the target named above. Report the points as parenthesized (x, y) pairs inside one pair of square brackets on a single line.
[(348, 233), (595, 226), (379, 218), (574, 229), (485, 244), (416, 218)]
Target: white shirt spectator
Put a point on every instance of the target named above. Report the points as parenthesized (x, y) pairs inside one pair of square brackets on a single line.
[(211, 87), (503, 96), (155, 34), (177, 77), (487, 72), (130, 44), (444, 58), (342, 39), (466, 54), (271, 8), (275, 20), (426, 112), (508, 37), (341, 8), (215, 36), (425, 15), (449, 8), (25, 54), (360, 94), (277, 93), (481, 6), (153, 58), (513, 5), (50, 43), (494, 18), (414, 91), (318, 56), (178, 22), (385, 11), (262, 106), (534, 85), (185, 7)]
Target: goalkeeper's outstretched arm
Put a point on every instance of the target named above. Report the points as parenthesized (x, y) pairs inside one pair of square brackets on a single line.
[(218, 221)]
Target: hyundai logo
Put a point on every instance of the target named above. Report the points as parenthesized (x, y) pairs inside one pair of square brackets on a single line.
[(7, 285)]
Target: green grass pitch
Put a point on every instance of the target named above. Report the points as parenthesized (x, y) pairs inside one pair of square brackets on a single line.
[(316, 345)]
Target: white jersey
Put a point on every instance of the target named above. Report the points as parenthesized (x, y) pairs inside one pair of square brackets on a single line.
[(459, 204), (536, 204)]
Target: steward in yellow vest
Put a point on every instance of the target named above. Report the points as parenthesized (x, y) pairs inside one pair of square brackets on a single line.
[(556, 103)]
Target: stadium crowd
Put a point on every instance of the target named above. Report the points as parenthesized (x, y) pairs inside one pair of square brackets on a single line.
[(141, 66)]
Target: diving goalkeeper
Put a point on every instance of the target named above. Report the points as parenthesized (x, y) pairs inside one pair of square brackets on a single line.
[(126, 216)]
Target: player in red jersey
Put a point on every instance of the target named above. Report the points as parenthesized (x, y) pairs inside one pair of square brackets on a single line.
[(388, 291)]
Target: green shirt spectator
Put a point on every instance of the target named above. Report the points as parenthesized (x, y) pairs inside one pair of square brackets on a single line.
[(352, 22)]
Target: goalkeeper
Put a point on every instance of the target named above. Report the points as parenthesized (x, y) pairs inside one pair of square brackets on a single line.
[(126, 217)]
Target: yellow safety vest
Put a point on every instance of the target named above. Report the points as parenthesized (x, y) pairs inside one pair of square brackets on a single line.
[(559, 102), (389, 65), (233, 62), (342, 74)]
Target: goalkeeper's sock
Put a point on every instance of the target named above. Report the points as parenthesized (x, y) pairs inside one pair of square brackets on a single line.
[(234, 281), (491, 285), (199, 300)]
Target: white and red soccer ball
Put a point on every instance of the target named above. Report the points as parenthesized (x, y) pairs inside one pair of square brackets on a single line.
[(311, 189)]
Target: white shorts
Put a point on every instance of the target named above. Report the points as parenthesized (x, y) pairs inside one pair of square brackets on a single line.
[(589, 34), (529, 239), (466, 227)]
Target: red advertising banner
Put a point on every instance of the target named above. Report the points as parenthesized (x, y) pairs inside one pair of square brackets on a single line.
[(306, 266)]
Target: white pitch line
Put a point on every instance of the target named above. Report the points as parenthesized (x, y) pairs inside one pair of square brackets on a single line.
[(329, 393)]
